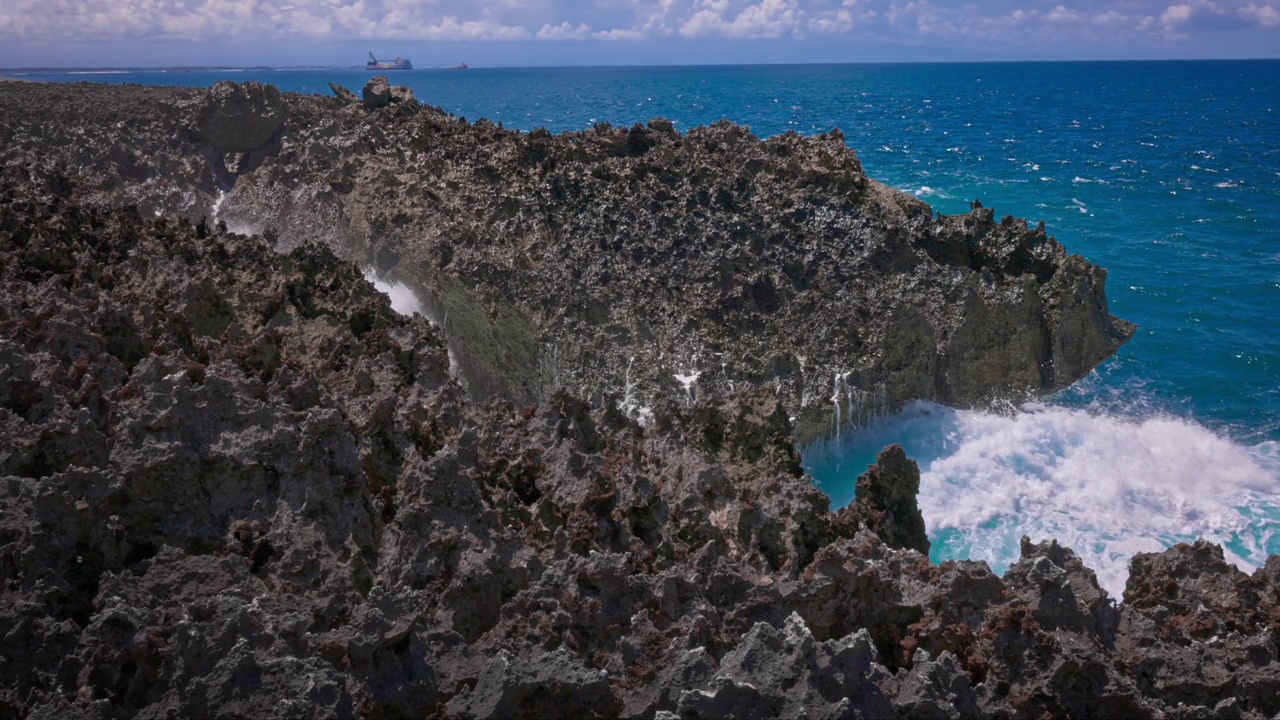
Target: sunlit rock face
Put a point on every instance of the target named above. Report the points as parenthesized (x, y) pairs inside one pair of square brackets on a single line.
[(615, 261), (236, 481)]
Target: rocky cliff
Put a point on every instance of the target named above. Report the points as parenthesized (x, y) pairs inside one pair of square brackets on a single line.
[(236, 484), (635, 262)]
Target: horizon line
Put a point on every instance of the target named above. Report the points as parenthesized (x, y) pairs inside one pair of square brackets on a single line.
[(137, 68)]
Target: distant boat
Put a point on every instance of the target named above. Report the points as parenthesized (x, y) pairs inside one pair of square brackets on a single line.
[(459, 66), (398, 64)]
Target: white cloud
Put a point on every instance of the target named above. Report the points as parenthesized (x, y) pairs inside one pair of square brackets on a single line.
[(1264, 15), (564, 31), (450, 28), (1175, 15), (954, 23), (832, 23), (765, 19), (1061, 14), (1110, 18), (620, 34)]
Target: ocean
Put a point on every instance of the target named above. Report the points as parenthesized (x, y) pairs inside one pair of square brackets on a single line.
[(1167, 174)]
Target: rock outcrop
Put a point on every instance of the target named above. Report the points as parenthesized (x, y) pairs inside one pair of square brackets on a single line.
[(236, 484), (886, 501), (635, 262), (377, 93)]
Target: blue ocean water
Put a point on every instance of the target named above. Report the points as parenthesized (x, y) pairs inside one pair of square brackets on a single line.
[(1167, 174)]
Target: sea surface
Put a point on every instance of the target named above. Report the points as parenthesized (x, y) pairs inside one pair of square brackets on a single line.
[(1165, 173)]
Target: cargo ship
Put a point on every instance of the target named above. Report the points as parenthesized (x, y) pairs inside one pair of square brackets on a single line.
[(398, 64)]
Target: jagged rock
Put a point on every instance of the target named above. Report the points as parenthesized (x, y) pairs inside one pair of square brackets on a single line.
[(544, 685), (401, 94), (934, 689), (797, 273), (377, 92), (1062, 592), (234, 482), (343, 94), (786, 673), (242, 117), (886, 501)]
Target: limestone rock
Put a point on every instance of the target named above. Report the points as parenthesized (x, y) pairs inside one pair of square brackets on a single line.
[(796, 272), (234, 482), (401, 94), (886, 501), (377, 92), (242, 117), (343, 94)]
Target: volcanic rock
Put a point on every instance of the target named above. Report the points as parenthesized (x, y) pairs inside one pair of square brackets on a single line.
[(343, 94), (377, 93), (886, 501), (235, 483), (241, 117), (635, 262), (401, 94)]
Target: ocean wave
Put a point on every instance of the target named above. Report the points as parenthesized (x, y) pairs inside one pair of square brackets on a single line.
[(1105, 484), (925, 191)]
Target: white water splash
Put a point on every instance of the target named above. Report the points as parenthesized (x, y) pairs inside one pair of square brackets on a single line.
[(630, 404), (403, 300), (925, 191), (217, 207), (687, 378), (1106, 486)]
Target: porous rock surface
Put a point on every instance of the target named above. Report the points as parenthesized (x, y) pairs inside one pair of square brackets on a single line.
[(636, 262), (236, 484)]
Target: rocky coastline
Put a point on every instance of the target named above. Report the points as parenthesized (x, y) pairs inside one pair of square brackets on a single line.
[(237, 484)]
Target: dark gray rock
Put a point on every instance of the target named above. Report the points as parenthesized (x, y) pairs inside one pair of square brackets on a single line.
[(402, 94), (377, 92), (242, 117), (797, 273), (234, 483), (343, 94), (886, 501)]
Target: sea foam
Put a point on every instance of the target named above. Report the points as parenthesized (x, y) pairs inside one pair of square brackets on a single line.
[(1106, 485)]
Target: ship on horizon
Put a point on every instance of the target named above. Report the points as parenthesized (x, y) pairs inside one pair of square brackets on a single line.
[(398, 64)]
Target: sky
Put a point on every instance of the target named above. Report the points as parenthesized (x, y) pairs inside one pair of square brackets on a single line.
[(504, 33)]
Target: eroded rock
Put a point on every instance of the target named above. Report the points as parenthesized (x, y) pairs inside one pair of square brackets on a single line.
[(700, 263), (233, 481), (377, 92)]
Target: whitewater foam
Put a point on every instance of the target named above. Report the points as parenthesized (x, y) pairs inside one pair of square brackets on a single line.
[(403, 300), (1106, 485)]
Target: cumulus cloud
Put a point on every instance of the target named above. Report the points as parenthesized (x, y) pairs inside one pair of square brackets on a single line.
[(1264, 15), (832, 23), (956, 22), (212, 19), (564, 31), (619, 34), (765, 19)]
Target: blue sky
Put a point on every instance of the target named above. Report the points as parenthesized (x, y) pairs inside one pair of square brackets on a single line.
[(563, 32)]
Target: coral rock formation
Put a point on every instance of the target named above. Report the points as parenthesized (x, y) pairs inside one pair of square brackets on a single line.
[(236, 484), (636, 262)]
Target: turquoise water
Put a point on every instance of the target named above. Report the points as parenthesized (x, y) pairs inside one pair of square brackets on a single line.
[(1166, 174)]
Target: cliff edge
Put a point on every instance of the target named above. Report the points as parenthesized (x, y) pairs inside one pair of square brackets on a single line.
[(634, 262), (236, 484)]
